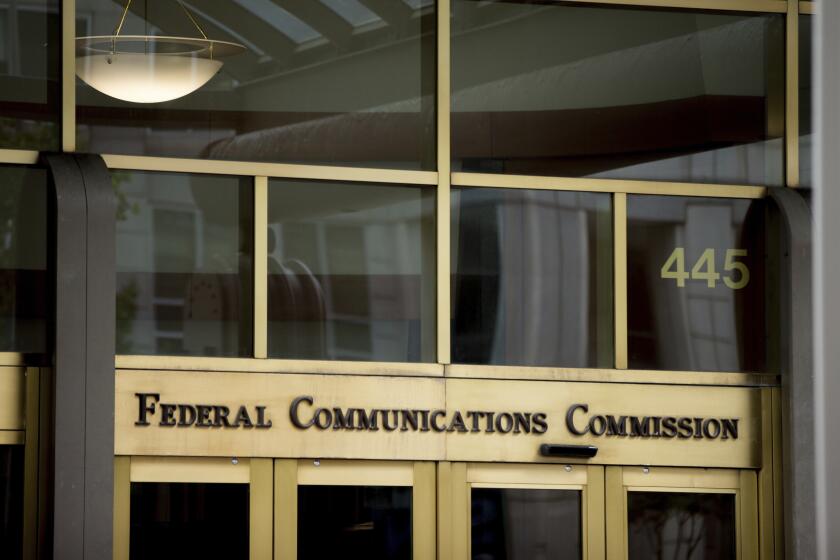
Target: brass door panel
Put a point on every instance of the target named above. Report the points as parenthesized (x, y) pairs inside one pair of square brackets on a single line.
[(12, 401)]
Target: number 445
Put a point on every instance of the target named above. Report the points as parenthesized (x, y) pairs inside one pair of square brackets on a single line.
[(704, 268)]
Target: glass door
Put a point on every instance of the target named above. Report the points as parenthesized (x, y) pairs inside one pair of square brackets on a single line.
[(178, 507), (377, 510), (681, 514), (528, 512)]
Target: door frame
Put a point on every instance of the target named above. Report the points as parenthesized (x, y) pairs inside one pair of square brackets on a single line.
[(254, 472), (289, 474), (742, 483), (456, 481)]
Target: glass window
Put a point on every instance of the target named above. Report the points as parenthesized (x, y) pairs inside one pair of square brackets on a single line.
[(805, 80), (11, 501), (371, 522), (30, 72), (698, 286), (681, 526), (532, 278), (23, 259), (543, 88), (337, 82), (351, 271), (184, 264), (189, 520), (513, 524)]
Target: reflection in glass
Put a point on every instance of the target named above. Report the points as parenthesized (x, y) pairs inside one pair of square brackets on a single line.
[(30, 92), (23, 259), (11, 502), (681, 526), (805, 81), (336, 82), (698, 296), (351, 271), (174, 521), (371, 522), (510, 524), (184, 264), (543, 88), (532, 278)]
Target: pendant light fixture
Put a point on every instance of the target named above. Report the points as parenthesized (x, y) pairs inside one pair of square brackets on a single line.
[(149, 68)]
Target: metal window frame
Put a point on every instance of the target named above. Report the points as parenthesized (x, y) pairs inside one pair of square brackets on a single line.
[(443, 180)]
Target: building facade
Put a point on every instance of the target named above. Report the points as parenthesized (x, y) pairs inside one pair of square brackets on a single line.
[(405, 279)]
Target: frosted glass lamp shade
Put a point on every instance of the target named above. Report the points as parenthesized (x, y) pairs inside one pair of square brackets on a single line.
[(148, 69)]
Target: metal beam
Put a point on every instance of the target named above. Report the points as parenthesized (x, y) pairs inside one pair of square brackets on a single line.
[(320, 18), (395, 12)]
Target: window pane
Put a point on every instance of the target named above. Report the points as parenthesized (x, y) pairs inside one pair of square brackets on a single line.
[(23, 259), (184, 264), (532, 278), (549, 89), (805, 81), (11, 501), (334, 82), (30, 91), (526, 524), (173, 521), (698, 286), (351, 271), (681, 526), (371, 522)]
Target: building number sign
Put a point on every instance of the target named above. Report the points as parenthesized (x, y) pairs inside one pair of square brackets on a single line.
[(737, 275)]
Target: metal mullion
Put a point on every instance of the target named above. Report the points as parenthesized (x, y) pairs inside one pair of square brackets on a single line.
[(586, 184), (122, 507), (444, 182), (31, 479), (424, 506), (766, 6), (271, 170), (792, 94), (68, 75), (620, 276), (261, 506), (260, 267), (209, 363)]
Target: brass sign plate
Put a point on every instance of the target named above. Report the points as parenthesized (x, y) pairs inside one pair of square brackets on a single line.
[(402, 418)]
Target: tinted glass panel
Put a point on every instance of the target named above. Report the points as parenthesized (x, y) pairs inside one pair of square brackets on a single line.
[(173, 521), (184, 264), (11, 501), (681, 526), (348, 83), (30, 93), (526, 524), (532, 278), (544, 88), (805, 81), (23, 259), (698, 296), (351, 271), (372, 522)]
